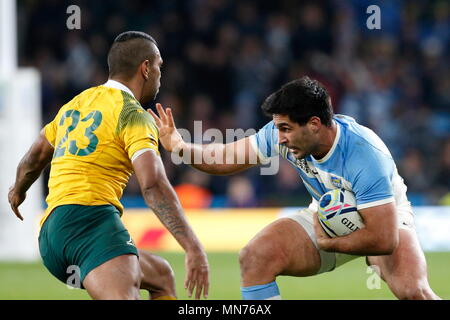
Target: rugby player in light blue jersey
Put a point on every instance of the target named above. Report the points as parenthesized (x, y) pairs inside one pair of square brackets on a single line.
[(328, 151)]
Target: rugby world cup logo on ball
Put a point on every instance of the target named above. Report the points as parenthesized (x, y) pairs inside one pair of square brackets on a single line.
[(337, 213)]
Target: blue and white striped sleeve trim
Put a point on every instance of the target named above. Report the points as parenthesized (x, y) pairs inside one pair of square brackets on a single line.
[(375, 203)]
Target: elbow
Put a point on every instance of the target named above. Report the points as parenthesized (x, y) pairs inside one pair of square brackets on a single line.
[(151, 193), (150, 184), (385, 250), (156, 188), (388, 243), (150, 187)]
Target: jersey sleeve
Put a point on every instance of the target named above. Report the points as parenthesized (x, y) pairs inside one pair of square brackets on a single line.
[(50, 131), (370, 175), (138, 132), (265, 142)]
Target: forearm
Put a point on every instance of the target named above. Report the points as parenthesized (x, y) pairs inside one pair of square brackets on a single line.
[(214, 158), (161, 198), (28, 171), (361, 242)]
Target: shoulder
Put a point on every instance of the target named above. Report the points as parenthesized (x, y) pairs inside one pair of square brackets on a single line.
[(361, 147), (268, 134), (358, 138), (75, 102), (90, 93), (132, 114), (269, 130), (265, 141), (269, 126), (86, 97)]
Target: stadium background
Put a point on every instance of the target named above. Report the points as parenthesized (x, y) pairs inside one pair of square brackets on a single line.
[(221, 59)]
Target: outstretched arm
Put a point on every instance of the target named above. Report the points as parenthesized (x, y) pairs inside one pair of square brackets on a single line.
[(162, 199), (214, 158), (29, 169)]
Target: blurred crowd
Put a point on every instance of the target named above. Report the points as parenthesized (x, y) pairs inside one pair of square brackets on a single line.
[(222, 58)]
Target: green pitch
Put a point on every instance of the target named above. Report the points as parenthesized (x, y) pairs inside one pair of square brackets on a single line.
[(33, 281)]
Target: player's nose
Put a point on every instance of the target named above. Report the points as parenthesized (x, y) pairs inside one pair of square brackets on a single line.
[(281, 138)]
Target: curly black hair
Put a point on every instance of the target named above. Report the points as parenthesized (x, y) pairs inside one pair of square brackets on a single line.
[(300, 99)]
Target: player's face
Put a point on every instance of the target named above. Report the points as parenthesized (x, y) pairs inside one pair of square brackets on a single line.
[(300, 140), (151, 87)]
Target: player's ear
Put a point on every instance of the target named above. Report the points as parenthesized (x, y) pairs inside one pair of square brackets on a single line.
[(145, 69), (314, 124)]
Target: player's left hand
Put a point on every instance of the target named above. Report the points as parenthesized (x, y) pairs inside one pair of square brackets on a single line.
[(169, 136), (15, 200), (323, 240), (197, 273)]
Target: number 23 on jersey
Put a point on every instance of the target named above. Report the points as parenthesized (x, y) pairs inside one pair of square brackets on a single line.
[(73, 145)]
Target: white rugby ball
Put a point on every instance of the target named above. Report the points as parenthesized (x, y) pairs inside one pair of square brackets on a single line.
[(337, 213)]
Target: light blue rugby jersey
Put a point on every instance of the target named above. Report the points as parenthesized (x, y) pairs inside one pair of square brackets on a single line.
[(358, 161)]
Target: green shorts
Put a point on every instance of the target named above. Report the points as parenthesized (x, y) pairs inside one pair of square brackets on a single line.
[(76, 239)]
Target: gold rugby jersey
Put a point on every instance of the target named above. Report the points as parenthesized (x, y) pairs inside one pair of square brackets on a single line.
[(95, 136)]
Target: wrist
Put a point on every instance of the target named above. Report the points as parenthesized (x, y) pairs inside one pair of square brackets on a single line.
[(179, 147), (194, 249), (326, 244)]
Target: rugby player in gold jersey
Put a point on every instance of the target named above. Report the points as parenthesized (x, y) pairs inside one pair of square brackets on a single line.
[(94, 144)]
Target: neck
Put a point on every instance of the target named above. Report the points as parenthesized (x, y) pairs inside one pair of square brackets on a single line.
[(327, 138), (131, 84)]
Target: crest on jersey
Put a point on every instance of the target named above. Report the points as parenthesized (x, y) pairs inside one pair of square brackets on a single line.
[(336, 181)]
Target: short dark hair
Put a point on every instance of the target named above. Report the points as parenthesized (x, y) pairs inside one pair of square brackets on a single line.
[(300, 99), (128, 51)]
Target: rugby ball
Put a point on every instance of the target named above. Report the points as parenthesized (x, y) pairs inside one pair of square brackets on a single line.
[(337, 213)]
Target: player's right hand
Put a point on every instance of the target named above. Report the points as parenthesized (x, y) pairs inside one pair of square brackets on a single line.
[(15, 200), (169, 136), (197, 274), (323, 240)]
